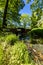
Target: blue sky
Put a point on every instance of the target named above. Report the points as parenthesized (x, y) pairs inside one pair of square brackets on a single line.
[(26, 9)]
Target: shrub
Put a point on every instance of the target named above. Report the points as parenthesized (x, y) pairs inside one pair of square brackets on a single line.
[(37, 36), (11, 39), (2, 39), (37, 32)]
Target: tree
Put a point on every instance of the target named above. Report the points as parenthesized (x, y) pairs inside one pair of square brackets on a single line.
[(12, 10), (2, 5), (34, 19), (25, 20), (5, 13), (37, 11), (27, 1), (40, 23)]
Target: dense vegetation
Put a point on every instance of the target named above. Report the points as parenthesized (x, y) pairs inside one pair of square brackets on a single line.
[(14, 26)]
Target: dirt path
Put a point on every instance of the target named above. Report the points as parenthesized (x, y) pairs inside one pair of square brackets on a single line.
[(36, 51)]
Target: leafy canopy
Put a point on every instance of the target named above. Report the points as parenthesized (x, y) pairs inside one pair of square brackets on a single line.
[(25, 19), (14, 6)]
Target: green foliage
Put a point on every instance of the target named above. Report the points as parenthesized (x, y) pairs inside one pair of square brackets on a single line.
[(1, 54), (37, 11), (40, 23), (10, 39), (27, 64), (0, 23), (16, 55), (20, 54), (3, 35), (27, 1), (37, 32), (2, 39), (25, 20), (37, 4), (12, 11), (34, 19), (37, 41)]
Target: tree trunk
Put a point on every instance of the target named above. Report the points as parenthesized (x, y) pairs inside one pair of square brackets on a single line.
[(5, 13)]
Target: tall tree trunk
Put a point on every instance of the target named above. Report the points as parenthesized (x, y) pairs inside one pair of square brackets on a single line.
[(5, 13)]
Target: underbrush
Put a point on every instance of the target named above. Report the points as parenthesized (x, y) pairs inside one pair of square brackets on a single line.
[(37, 41), (10, 39), (14, 52), (1, 54), (37, 33)]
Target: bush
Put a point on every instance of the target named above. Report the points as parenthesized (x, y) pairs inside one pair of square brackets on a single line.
[(37, 36), (37, 32), (10, 39), (16, 55), (2, 39)]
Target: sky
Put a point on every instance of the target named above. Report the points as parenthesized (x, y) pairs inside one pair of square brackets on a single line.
[(26, 9)]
